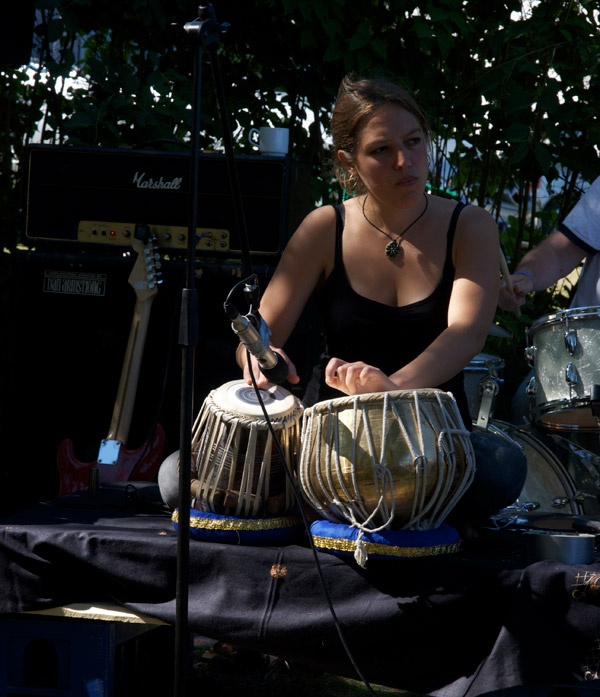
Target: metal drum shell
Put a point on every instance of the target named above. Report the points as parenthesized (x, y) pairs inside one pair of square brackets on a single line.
[(558, 405), (420, 441), (236, 465)]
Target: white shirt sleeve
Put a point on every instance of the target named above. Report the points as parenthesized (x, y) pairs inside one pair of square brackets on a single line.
[(584, 220)]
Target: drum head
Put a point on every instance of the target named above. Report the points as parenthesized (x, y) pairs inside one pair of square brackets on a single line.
[(548, 486), (240, 398)]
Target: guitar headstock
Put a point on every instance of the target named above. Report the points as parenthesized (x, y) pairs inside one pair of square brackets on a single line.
[(145, 275)]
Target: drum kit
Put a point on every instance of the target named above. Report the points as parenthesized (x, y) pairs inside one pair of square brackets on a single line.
[(401, 460), (560, 433)]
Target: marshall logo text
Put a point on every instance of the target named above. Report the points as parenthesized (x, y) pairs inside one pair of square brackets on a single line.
[(139, 179)]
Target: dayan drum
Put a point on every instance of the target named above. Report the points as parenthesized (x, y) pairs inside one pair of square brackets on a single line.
[(400, 460), (237, 468), (483, 378), (564, 350)]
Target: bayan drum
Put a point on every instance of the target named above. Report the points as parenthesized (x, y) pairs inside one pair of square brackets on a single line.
[(396, 460), (548, 487), (564, 350), (482, 384), (237, 467)]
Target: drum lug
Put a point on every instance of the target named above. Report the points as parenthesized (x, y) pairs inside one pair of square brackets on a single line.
[(531, 388), (571, 341), (571, 375), (489, 389), (530, 355)]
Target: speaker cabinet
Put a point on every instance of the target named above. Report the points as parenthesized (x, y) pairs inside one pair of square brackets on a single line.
[(73, 315), (93, 196), (67, 338)]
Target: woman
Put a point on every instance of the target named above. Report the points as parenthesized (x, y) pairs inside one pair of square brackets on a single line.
[(407, 282)]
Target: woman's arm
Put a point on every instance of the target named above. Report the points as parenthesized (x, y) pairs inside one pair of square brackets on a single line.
[(308, 257)]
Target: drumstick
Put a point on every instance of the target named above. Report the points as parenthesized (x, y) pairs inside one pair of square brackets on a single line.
[(506, 275)]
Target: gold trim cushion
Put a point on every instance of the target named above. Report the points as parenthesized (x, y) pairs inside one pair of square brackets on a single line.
[(212, 527), (340, 539)]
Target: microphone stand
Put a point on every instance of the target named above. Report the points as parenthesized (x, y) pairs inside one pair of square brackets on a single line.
[(205, 32)]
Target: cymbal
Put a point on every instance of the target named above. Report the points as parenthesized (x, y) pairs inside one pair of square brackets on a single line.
[(495, 330)]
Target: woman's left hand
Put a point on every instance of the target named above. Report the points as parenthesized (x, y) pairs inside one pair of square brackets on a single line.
[(356, 378)]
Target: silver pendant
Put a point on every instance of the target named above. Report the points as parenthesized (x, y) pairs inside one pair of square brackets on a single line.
[(392, 249)]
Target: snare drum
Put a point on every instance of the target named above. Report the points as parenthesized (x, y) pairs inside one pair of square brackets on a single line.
[(400, 459), (236, 465), (564, 350)]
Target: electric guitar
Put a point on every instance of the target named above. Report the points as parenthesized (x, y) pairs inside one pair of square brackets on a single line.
[(116, 462)]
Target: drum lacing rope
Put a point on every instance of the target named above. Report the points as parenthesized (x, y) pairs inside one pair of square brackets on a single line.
[(447, 454), (209, 463), (382, 479)]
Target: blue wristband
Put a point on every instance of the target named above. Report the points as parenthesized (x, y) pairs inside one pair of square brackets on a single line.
[(525, 273)]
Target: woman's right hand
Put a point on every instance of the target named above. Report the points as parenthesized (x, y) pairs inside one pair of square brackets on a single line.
[(262, 380)]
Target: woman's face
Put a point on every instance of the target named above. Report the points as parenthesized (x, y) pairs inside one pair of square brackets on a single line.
[(391, 157)]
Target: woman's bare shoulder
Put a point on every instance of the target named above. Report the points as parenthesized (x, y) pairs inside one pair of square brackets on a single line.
[(316, 228)]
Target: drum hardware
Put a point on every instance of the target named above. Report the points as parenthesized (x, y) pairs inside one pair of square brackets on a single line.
[(571, 377), (571, 341), (488, 388), (559, 536), (481, 394), (563, 352)]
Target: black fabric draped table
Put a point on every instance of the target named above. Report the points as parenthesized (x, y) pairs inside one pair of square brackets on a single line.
[(480, 620)]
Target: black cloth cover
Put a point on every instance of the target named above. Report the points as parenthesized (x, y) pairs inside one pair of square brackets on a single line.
[(481, 620)]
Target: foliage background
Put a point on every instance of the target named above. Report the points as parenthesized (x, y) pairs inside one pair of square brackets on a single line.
[(512, 94)]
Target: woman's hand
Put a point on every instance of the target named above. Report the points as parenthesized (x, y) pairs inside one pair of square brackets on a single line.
[(261, 380), (356, 378)]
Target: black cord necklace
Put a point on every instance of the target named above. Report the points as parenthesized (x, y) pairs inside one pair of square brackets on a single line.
[(394, 248)]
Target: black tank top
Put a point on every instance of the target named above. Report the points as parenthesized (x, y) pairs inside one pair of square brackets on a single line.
[(359, 329)]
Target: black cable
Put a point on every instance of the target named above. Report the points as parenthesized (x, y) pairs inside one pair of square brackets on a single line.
[(298, 496)]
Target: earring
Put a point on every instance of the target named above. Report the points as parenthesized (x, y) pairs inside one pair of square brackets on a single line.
[(349, 180)]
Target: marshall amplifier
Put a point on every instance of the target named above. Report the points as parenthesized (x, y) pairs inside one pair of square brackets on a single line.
[(95, 196)]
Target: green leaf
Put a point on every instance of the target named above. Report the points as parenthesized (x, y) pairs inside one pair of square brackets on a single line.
[(542, 156), (82, 119), (517, 132), (55, 29)]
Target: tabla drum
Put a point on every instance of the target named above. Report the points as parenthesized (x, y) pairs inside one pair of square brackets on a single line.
[(564, 350), (399, 460), (483, 378), (237, 468), (548, 486)]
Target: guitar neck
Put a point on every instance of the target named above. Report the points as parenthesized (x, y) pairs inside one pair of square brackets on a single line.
[(123, 409)]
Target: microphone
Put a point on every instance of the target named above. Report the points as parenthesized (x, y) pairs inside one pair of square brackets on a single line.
[(272, 365)]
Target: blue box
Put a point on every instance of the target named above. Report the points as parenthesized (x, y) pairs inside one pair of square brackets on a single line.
[(67, 657)]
